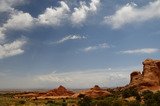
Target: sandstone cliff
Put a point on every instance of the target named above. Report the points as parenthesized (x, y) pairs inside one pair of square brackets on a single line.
[(149, 78)]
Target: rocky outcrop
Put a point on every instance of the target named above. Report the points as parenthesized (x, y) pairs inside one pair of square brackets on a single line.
[(151, 72), (94, 92), (60, 92), (149, 78), (136, 77), (96, 87)]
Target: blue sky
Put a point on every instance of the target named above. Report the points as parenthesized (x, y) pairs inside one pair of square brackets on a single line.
[(76, 43)]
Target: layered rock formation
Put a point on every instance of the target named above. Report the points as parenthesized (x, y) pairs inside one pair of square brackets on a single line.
[(60, 91), (94, 92), (28, 95), (149, 78), (135, 78), (151, 72)]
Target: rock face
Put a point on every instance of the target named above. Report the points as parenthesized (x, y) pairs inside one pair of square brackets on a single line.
[(28, 95), (151, 71), (150, 76), (94, 92), (60, 91), (96, 87), (136, 77)]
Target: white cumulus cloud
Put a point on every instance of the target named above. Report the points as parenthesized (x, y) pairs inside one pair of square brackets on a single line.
[(19, 20), (141, 51), (54, 16), (131, 13), (6, 5), (80, 14), (2, 35), (11, 49)]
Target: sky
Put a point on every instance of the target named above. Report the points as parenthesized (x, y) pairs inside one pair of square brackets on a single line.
[(76, 43)]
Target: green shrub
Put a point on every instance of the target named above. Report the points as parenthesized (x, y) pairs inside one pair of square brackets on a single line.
[(22, 102), (64, 103), (109, 101), (84, 101), (133, 103), (116, 94), (81, 96), (50, 103), (118, 103), (103, 103), (131, 92), (156, 97), (148, 97)]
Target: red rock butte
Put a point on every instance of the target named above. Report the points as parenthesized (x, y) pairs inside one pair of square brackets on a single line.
[(94, 92), (149, 78), (60, 91)]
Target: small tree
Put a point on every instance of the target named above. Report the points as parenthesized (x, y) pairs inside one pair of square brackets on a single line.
[(131, 92), (104, 102), (64, 103), (133, 103), (117, 103), (50, 103), (22, 102), (148, 97), (84, 100), (156, 97)]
